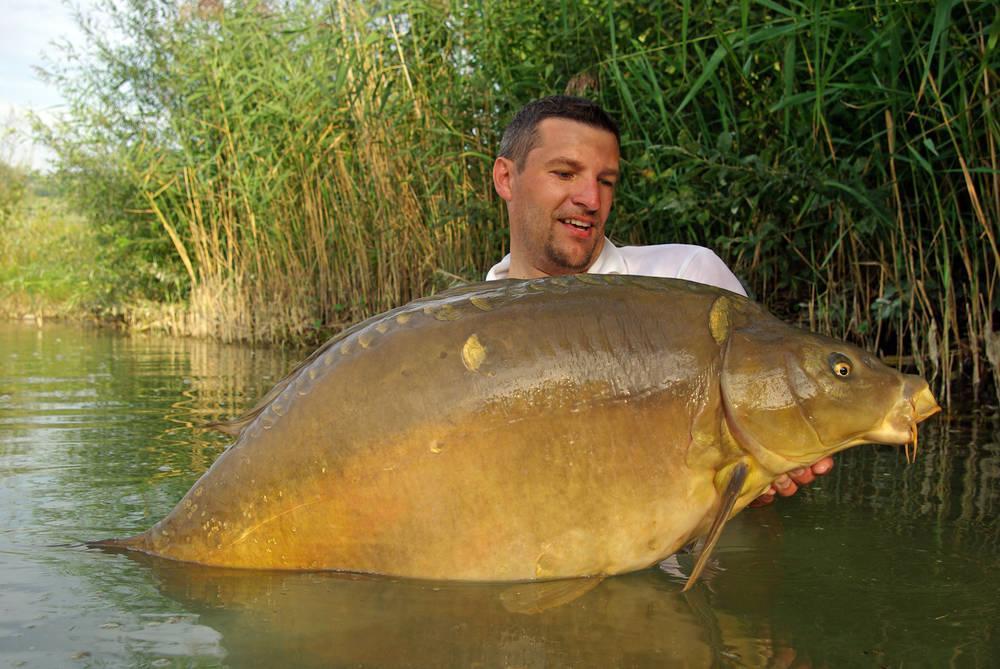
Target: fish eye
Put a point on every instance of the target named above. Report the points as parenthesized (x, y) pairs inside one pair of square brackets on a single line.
[(840, 364)]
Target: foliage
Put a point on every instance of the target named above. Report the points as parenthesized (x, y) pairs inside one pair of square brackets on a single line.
[(12, 186), (294, 167), (283, 162), (47, 264), (841, 157)]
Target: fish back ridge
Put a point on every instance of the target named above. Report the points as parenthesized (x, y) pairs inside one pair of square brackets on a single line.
[(502, 292), (235, 426)]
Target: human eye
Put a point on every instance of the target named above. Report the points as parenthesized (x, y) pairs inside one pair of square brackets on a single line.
[(563, 174)]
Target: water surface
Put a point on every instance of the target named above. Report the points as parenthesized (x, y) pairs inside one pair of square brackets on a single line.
[(879, 564)]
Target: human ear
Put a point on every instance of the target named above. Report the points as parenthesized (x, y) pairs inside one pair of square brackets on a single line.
[(503, 174)]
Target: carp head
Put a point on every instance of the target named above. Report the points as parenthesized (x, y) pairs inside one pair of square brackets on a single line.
[(792, 397)]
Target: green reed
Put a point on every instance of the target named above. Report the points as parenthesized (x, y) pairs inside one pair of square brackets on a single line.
[(295, 168), (842, 159), (311, 185)]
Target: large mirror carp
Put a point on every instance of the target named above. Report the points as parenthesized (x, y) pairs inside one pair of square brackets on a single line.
[(529, 430)]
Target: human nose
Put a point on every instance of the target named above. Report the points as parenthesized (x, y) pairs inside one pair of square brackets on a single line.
[(588, 194)]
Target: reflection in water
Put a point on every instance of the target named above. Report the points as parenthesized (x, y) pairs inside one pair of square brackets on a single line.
[(334, 620), (877, 564)]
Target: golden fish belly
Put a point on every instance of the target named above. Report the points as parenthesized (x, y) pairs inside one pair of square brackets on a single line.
[(460, 442), (497, 497)]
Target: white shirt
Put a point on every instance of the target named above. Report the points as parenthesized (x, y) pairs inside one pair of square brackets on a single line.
[(672, 261)]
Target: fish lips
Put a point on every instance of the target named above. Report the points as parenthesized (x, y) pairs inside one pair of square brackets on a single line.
[(900, 426)]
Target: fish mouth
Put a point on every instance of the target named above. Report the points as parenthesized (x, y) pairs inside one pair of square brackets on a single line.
[(900, 426), (924, 405)]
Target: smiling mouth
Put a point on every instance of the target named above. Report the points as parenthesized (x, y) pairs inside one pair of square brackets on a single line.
[(577, 224)]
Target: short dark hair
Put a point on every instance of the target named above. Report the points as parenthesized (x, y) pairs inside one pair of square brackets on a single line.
[(521, 135)]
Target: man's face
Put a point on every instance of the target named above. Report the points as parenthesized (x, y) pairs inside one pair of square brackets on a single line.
[(558, 203)]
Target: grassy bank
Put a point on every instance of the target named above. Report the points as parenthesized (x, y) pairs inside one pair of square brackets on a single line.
[(49, 262), (284, 171), (56, 265)]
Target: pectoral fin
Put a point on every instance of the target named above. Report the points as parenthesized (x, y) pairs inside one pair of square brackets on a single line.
[(736, 480), (532, 598)]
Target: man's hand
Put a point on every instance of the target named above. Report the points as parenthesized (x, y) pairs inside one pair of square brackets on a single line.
[(788, 484)]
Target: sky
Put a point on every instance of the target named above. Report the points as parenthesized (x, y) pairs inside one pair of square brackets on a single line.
[(27, 29)]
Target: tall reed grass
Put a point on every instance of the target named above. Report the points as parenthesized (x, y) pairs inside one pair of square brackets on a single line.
[(843, 159), (301, 166), (307, 191)]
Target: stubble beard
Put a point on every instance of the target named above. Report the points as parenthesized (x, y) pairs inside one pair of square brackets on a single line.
[(558, 258)]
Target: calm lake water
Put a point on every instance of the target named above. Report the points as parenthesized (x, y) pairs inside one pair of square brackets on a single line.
[(879, 564)]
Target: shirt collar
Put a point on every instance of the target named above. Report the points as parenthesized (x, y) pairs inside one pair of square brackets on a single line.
[(611, 261)]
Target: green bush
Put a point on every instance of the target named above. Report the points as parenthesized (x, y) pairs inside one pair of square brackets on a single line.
[(12, 186)]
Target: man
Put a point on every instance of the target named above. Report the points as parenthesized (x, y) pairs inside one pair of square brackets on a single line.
[(557, 170)]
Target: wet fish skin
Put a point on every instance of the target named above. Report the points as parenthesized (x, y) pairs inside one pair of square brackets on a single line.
[(530, 430)]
